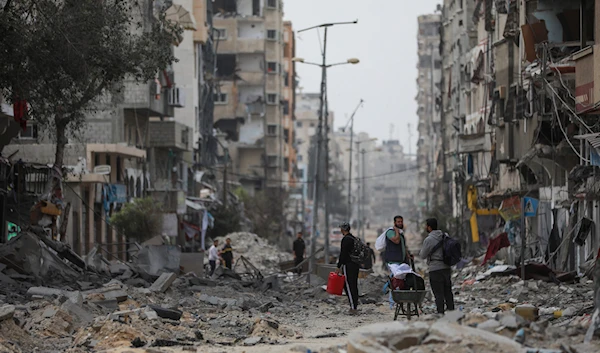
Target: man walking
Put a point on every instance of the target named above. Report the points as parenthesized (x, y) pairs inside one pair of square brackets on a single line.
[(371, 259), (350, 269), (213, 256), (227, 254), (299, 249), (439, 272)]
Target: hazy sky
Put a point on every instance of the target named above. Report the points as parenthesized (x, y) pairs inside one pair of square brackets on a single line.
[(385, 41)]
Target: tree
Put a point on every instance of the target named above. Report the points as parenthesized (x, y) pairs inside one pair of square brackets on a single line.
[(140, 220), (61, 56), (267, 212)]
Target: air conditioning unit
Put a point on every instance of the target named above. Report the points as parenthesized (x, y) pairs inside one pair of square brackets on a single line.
[(176, 97)]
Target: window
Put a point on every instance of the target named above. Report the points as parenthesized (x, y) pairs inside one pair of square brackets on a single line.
[(272, 160), (271, 98), (220, 98), (299, 159), (272, 4), (220, 33), (286, 107), (31, 132), (271, 34), (271, 67), (298, 124), (312, 125), (286, 79), (271, 130)]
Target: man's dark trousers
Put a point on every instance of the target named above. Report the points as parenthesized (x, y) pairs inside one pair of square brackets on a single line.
[(351, 271), (297, 262), (441, 285), (213, 265)]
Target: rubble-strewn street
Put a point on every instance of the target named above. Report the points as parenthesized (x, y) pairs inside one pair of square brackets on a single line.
[(260, 309)]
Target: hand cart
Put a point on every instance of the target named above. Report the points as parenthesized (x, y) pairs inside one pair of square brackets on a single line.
[(412, 298)]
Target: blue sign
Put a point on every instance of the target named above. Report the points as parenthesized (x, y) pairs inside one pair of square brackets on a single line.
[(530, 206), (115, 193)]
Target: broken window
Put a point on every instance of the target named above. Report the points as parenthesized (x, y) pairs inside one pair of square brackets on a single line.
[(271, 98), (256, 7), (220, 98), (286, 107), (31, 132), (272, 130), (271, 67), (226, 65), (225, 5), (286, 135), (271, 34), (220, 33), (298, 124), (272, 4), (272, 161)]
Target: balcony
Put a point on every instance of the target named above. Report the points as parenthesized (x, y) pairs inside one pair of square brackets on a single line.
[(250, 45), (171, 134), (147, 99)]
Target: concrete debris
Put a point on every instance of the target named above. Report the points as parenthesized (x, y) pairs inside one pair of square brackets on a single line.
[(6, 312), (264, 255), (74, 297), (163, 282), (153, 260)]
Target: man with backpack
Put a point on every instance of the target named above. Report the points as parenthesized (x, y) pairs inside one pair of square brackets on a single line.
[(349, 265), (441, 252)]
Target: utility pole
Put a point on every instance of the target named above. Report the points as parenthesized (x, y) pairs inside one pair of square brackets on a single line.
[(225, 177), (322, 116), (351, 122), (362, 193)]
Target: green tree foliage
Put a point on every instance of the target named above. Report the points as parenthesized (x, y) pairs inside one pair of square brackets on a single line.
[(61, 56), (140, 220), (227, 220)]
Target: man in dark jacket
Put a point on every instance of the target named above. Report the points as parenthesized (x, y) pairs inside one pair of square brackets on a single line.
[(371, 259), (347, 267), (227, 254), (299, 251), (395, 244)]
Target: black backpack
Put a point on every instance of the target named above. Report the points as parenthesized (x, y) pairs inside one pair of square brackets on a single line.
[(360, 252), (451, 250)]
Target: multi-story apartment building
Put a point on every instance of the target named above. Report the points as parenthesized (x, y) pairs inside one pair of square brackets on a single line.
[(289, 103), (429, 126), (125, 140), (250, 103)]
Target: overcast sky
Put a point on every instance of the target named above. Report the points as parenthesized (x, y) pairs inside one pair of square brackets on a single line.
[(385, 41)]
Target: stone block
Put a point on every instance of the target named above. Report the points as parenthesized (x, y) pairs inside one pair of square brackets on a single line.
[(118, 295), (6, 312), (74, 296), (163, 282), (80, 315)]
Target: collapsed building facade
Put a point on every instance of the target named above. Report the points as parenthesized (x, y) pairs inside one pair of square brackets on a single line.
[(254, 97), (519, 115)]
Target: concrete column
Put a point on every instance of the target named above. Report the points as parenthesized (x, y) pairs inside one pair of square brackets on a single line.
[(90, 218)]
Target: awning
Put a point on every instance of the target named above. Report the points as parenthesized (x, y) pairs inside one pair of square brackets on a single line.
[(193, 205), (181, 16), (472, 143)]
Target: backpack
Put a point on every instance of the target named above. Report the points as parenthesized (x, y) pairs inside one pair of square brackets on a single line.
[(360, 252), (451, 250)]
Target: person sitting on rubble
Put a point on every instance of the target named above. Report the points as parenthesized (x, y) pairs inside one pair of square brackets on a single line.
[(227, 254), (213, 256)]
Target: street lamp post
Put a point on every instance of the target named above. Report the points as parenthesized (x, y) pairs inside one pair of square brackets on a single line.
[(362, 186), (351, 122), (322, 116)]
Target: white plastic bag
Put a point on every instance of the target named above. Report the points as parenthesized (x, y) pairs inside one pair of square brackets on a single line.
[(380, 242)]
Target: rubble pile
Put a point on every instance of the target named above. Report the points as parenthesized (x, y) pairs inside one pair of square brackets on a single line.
[(264, 255)]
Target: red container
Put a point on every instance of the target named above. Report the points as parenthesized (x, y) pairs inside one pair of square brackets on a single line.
[(335, 284)]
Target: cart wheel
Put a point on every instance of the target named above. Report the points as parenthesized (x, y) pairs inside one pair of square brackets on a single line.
[(397, 311), (408, 311)]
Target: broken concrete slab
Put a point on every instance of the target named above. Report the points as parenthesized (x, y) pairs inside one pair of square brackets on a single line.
[(6, 312), (252, 341), (155, 259), (166, 313), (110, 304), (49, 312), (453, 316), (489, 325), (80, 315), (466, 334), (216, 300), (74, 296), (163, 282), (118, 295), (387, 337), (195, 281), (124, 314)]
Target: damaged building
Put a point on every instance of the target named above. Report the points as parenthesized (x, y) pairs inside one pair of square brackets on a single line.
[(519, 112), (254, 96)]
